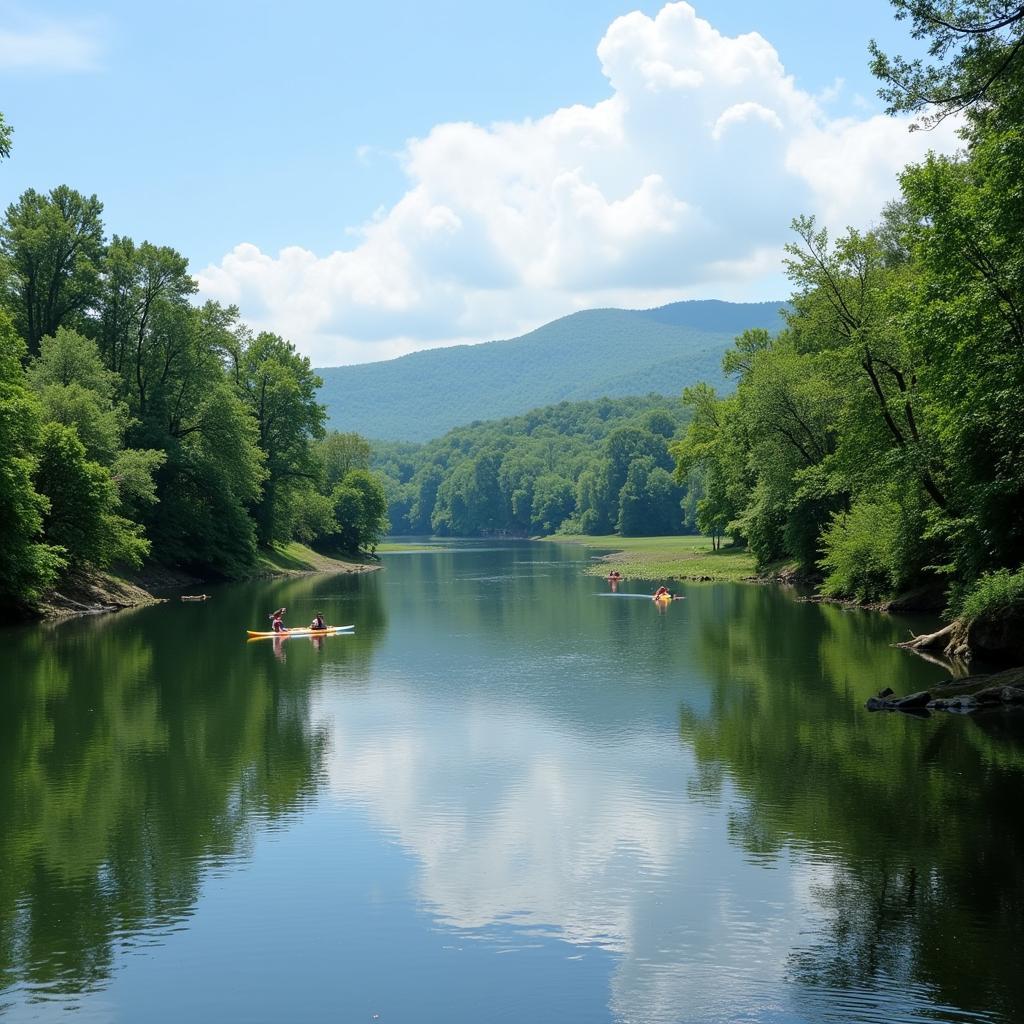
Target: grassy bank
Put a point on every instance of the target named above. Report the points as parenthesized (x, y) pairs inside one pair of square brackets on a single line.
[(664, 558), (88, 591), (295, 559)]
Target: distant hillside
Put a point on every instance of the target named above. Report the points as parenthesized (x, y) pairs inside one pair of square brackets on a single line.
[(591, 354), (589, 467)]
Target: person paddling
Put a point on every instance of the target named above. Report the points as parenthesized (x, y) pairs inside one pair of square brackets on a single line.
[(277, 622), (662, 594)]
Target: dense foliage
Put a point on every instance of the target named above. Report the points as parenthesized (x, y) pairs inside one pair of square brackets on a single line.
[(138, 426), (585, 467), (879, 436), (592, 354)]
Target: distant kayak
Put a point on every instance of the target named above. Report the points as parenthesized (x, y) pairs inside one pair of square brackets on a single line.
[(255, 634)]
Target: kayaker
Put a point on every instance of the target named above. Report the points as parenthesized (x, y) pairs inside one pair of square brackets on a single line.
[(662, 593), (318, 622), (277, 623)]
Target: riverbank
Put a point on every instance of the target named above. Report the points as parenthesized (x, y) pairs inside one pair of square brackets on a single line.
[(94, 592), (296, 559), (993, 637), (692, 558), (90, 593), (666, 558), (985, 692)]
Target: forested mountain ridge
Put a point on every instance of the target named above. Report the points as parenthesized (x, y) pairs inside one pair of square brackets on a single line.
[(586, 355)]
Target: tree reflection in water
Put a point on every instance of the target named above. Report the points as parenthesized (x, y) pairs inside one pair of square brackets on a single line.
[(912, 817), (135, 753)]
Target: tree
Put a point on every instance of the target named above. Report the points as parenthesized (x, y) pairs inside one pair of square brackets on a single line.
[(174, 361), (279, 388), (145, 333), (570, 444), (82, 518), (360, 510), (52, 246), (627, 443), (714, 447), (27, 563), (340, 453), (649, 502), (553, 502), (6, 131), (975, 46), (843, 304), (469, 500), (213, 476), (425, 485), (965, 318), (312, 515), (76, 389)]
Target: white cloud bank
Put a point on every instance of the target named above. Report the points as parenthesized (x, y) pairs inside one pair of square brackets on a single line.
[(681, 183)]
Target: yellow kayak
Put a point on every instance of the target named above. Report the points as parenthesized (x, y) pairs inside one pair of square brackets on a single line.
[(255, 634)]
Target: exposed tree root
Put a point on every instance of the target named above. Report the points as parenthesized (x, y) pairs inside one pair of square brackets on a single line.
[(929, 641)]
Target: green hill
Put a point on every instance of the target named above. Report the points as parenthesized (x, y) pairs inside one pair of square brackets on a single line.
[(590, 466), (591, 354)]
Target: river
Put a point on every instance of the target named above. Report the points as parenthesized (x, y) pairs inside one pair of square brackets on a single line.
[(509, 796)]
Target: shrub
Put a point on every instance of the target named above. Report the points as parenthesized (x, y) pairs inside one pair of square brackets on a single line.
[(860, 548), (995, 594)]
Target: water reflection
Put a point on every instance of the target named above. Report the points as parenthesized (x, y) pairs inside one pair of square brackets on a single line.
[(502, 774), (136, 752), (911, 814), (608, 835)]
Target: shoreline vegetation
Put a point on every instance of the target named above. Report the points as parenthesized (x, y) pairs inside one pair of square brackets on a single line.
[(151, 441), (874, 440), (92, 592), (993, 633)]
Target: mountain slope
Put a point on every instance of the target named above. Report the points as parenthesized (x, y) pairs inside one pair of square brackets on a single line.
[(591, 354)]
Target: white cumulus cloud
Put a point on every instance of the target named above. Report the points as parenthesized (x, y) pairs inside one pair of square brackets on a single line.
[(681, 183)]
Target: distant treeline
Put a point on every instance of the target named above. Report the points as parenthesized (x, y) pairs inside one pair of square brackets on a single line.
[(583, 467), (136, 426), (880, 437)]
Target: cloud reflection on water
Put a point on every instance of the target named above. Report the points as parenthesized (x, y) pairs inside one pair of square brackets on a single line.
[(521, 825)]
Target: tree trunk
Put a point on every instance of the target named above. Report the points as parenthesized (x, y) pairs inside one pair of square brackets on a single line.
[(927, 641)]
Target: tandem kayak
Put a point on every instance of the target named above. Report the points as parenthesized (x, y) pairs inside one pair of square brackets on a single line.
[(255, 634)]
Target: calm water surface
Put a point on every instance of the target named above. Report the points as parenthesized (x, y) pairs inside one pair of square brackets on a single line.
[(508, 797)]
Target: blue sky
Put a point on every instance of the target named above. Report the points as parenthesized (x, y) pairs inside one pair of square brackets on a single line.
[(270, 143)]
